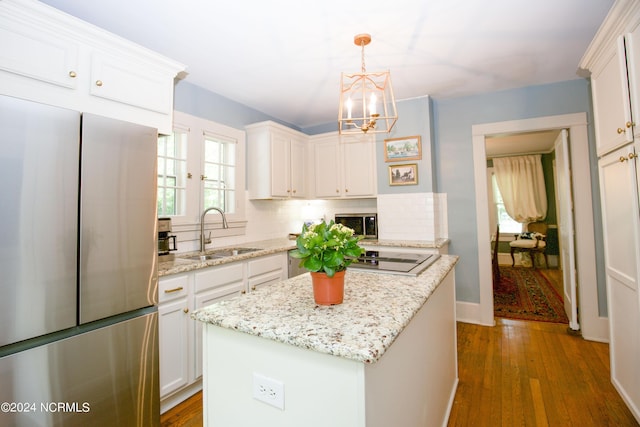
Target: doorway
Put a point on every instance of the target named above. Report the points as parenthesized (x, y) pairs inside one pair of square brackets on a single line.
[(593, 326), (555, 299)]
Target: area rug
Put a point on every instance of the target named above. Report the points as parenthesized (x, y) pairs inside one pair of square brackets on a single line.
[(523, 293)]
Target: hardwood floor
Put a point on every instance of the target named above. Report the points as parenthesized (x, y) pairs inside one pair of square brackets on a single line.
[(522, 373), (186, 414), (517, 373)]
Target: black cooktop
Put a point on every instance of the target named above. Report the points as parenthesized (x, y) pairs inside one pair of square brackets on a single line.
[(394, 262)]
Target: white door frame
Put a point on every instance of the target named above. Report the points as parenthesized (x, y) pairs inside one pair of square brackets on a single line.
[(594, 327)]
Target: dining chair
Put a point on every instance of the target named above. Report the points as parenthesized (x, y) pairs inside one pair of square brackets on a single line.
[(533, 241)]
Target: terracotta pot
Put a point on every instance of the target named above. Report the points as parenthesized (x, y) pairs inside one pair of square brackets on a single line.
[(328, 290)]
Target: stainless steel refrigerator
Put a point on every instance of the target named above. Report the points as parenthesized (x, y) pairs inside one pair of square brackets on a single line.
[(78, 269)]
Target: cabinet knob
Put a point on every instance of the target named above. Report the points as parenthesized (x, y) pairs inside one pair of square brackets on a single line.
[(186, 310), (189, 175), (620, 130), (632, 156), (253, 288), (337, 191), (203, 177), (623, 159), (346, 190), (98, 82), (629, 124), (242, 292), (72, 74), (294, 191)]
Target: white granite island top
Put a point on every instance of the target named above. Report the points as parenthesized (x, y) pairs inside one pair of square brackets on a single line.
[(376, 308)]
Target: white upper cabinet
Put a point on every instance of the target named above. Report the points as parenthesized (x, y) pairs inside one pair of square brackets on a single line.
[(345, 167), (327, 167), (276, 161), (613, 60), (612, 111), (50, 57)]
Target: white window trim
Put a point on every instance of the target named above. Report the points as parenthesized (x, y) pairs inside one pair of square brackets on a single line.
[(197, 128)]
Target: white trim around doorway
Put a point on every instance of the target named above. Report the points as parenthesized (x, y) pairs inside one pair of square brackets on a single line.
[(593, 326)]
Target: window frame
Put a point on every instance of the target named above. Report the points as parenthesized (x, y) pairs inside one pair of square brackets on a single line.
[(179, 199), (197, 128)]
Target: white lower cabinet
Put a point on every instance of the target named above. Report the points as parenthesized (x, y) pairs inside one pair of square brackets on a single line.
[(181, 336), (174, 326), (211, 285), (619, 176)]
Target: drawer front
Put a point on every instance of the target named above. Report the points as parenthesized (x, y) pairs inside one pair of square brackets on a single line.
[(218, 276), (172, 287), (266, 279), (266, 264)]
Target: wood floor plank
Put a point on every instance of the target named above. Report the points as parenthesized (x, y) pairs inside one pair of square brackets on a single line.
[(540, 414)]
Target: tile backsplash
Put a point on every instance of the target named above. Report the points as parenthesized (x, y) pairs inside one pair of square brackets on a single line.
[(419, 216), (413, 216)]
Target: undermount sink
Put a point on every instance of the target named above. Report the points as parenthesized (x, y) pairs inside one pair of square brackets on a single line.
[(221, 253)]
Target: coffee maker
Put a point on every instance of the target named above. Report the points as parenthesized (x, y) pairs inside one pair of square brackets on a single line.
[(166, 241)]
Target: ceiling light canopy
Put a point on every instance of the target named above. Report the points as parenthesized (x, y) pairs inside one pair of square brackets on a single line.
[(366, 99)]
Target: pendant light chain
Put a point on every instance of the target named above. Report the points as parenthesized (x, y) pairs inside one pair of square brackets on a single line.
[(362, 44)]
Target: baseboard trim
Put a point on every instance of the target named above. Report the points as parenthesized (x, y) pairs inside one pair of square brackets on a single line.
[(595, 329), (180, 396), (469, 312), (452, 397)]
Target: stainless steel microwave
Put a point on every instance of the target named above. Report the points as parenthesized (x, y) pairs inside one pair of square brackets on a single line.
[(362, 224)]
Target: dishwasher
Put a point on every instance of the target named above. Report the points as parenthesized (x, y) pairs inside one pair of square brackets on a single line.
[(294, 270)]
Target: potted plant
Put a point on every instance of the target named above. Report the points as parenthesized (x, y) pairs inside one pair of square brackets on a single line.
[(326, 250)]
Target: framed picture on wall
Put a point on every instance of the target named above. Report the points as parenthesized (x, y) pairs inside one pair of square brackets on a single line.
[(403, 174), (402, 149)]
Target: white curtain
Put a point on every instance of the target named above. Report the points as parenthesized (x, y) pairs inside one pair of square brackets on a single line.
[(521, 183)]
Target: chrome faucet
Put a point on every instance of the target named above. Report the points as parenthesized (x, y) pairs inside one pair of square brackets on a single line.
[(204, 241)]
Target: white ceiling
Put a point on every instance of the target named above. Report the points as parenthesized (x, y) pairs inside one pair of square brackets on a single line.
[(284, 57), (515, 144)]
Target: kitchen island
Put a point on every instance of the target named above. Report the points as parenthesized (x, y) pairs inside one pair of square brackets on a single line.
[(386, 356)]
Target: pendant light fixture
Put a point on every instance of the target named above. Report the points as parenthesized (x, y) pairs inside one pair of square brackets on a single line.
[(366, 99)]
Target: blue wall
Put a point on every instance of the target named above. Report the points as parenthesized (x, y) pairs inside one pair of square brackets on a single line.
[(445, 128), (414, 118), (196, 101), (454, 168)]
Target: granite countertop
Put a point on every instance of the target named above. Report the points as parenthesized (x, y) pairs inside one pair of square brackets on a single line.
[(268, 247), (376, 308)]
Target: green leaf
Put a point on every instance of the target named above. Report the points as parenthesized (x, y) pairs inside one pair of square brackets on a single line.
[(354, 252), (330, 271), (313, 264)]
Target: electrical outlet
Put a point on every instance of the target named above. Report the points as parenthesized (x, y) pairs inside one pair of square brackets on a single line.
[(268, 390)]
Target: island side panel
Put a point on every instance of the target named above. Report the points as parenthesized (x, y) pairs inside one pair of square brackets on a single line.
[(319, 389), (415, 381)]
